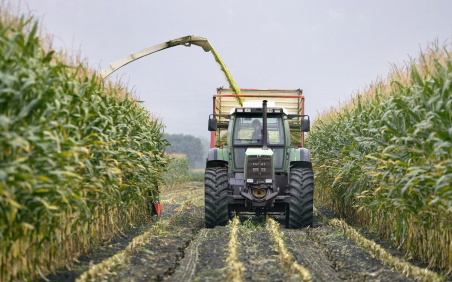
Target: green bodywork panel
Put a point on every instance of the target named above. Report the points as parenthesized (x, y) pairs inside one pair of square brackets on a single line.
[(258, 152), (222, 154), (294, 154)]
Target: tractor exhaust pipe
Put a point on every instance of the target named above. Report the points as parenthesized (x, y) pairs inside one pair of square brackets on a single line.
[(264, 124)]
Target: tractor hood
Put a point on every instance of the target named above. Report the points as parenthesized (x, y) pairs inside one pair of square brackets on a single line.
[(258, 164)]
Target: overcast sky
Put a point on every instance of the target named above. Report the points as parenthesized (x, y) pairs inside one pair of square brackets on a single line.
[(327, 48)]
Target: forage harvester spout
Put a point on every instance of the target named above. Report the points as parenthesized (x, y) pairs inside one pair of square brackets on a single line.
[(186, 41)]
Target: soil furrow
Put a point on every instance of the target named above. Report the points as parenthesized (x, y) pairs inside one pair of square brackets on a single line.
[(382, 250), (107, 249), (205, 257), (349, 260), (259, 256), (211, 264), (332, 257), (186, 270), (160, 256), (306, 252), (293, 268), (179, 248)]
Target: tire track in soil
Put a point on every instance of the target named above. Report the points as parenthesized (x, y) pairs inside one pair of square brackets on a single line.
[(158, 259), (185, 271), (307, 253), (115, 245), (294, 269), (259, 256), (106, 249), (205, 257), (392, 250), (331, 257)]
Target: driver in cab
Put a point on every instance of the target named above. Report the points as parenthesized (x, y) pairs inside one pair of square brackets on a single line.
[(257, 134)]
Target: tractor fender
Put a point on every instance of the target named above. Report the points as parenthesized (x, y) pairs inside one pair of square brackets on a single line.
[(305, 155), (217, 157), (300, 157)]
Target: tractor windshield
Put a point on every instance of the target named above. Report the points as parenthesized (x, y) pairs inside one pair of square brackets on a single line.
[(248, 130)]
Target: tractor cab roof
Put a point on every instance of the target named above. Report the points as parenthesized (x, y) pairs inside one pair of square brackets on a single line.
[(251, 110), (254, 107)]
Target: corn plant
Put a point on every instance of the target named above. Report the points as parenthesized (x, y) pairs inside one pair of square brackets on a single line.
[(178, 171), (197, 175), (386, 160), (79, 158)]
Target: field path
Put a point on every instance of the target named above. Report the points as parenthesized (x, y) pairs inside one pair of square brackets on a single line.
[(177, 247)]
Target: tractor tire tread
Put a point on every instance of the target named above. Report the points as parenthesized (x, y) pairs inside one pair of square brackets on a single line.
[(301, 191), (216, 191)]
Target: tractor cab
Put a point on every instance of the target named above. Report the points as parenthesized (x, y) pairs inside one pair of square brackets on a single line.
[(248, 132)]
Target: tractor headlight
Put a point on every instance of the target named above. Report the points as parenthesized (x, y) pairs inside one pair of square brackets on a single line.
[(268, 181), (249, 180), (247, 110), (239, 110), (277, 111)]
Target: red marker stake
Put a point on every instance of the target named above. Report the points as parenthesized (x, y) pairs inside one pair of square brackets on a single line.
[(158, 209)]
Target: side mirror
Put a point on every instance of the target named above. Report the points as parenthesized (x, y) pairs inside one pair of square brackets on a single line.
[(305, 125), (212, 124)]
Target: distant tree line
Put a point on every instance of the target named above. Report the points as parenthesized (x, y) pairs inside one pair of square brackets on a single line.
[(194, 147)]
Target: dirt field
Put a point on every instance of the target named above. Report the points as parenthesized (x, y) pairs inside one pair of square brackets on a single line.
[(181, 249)]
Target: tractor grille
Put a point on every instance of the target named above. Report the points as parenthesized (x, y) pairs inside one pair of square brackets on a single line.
[(259, 167)]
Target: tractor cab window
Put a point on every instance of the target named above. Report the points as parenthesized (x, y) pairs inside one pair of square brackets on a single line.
[(248, 130)]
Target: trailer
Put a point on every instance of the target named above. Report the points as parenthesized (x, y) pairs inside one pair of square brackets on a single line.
[(225, 100)]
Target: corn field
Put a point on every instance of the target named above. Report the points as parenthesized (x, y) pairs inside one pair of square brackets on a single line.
[(197, 175), (79, 157), (384, 158), (178, 171)]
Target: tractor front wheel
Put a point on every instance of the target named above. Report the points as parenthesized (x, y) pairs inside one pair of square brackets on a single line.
[(216, 203), (299, 212)]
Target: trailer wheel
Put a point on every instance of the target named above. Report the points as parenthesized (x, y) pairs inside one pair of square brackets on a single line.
[(216, 203), (299, 212)]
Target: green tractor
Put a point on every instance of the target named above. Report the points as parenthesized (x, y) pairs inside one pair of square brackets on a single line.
[(259, 170)]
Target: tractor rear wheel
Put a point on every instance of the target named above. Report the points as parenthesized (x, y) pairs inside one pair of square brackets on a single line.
[(299, 212), (216, 191)]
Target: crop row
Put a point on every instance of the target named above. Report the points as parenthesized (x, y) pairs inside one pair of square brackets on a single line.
[(412, 271), (287, 260), (98, 271), (384, 159), (80, 159), (234, 265)]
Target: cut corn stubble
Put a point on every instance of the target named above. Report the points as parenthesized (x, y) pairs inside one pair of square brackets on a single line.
[(99, 271), (286, 257), (235, 267), (417, 273)]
